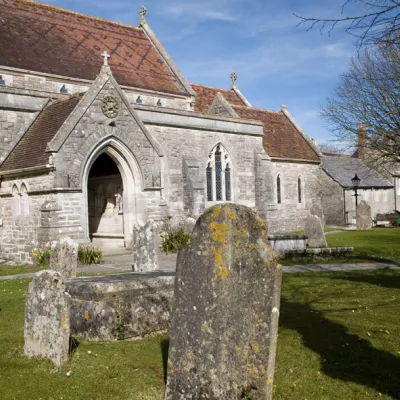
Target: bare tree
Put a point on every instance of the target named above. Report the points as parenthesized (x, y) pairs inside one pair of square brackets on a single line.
[(369, 93), (379, 24), (331, 147)]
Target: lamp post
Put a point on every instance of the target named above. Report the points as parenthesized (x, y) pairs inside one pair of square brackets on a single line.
[(356, 183)]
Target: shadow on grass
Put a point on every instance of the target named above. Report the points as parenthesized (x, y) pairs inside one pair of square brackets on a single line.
[(345, 356), (377, 278), (73, 345), (355, 258), (164, 351)]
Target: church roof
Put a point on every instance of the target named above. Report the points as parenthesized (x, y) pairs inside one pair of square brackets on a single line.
[(31, 149), (281, 138), (343, 168), (47, 39), (205, 96)]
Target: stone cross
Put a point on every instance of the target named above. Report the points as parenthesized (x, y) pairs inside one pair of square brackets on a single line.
[(106, 56), (226, 309), (363, 216), (145, 247), (142, 13), (234, 77), (64, 257), (47, 323)]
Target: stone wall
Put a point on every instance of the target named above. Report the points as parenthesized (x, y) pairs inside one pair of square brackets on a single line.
[(332, 201), (290, 214)]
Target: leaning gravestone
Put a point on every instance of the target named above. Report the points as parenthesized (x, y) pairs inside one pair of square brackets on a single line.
[(316, 209), (315, 232), (364, 216), (64, 257), (145, 246), (226, 310), (47, 326)]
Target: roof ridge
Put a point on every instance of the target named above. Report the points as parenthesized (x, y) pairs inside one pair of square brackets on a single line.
[(70, 97), (66, 11), (244, 107), (211, 87)]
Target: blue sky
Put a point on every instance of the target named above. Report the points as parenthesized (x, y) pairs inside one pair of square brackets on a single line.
[(277, 62)]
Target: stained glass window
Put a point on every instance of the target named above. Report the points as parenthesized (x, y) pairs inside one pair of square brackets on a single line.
[(299, 189), (227, 183), (209, 183), (218, 174), (278, 189)]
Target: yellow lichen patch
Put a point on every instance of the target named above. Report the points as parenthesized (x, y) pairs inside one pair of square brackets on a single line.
[(189, 353), (218, 257), (64, 322), (86, 316), (219, 232), (201, 247), (260, 222), (223, 271), (262, 369), (268, 381), (216, 212), (231, 215), (204, 327), (255, 347), (252, 245), (253, 371), (263, 232)]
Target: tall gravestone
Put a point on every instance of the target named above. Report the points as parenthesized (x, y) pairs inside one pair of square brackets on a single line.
[(64, 257), (47, 324), (315, 232), (316, 209), (364, 216), (145, 246), (226, 310)]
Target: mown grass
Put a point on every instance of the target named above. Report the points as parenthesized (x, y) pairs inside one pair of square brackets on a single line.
[(375, 245), (339, 338), (19, 269)]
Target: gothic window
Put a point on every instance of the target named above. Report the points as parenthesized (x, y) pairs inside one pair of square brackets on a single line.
[(16, 204), (24, 201), (299, 194), (218, 175), (278, 190)]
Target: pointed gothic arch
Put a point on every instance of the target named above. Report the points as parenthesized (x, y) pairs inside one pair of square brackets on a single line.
[(132, 181), (219, 175)]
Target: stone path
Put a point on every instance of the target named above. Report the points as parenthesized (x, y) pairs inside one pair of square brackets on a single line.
[(123, 262)]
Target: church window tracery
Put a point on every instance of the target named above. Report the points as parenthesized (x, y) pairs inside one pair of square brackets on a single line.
[(278, 189), (218, 175), (299, 193)]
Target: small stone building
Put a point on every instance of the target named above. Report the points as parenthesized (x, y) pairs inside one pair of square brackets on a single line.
[(338, 201), (99, 129)]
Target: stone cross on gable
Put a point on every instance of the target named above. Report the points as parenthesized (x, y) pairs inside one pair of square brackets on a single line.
[(106, 57), (234, 77), (142, 13)]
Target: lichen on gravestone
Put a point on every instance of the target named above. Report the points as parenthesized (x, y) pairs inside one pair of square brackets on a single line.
[(364, 216), (315, 232), (47, 318), (226, 309), (64, 257), (145, 246)]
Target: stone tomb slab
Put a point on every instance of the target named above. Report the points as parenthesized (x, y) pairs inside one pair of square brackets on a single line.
[(226, 310), (47, 323)]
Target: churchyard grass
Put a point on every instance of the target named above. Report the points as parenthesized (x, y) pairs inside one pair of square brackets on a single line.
[(19, 269), (375, 245), (339, 337)]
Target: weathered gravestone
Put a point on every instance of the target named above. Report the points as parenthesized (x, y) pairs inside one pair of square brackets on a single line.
[(145, 247), (316, 209), (364, 216), (226, 310), (315, 232), (47, 325), (64, 257)]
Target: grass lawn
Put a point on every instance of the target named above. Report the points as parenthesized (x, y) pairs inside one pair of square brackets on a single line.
[(339, 338), (377, 244), (18, 269)]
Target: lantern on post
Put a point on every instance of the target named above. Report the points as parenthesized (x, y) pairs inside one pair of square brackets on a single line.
[(356, 184)]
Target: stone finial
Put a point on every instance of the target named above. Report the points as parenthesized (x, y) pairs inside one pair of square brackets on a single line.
[(106, 56), (234, 77), (142, 13), (283, 107)]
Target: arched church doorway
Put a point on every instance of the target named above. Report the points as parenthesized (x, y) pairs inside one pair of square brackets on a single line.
[(105, 194)]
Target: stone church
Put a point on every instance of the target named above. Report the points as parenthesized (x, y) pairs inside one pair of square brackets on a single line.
[(99, 130)]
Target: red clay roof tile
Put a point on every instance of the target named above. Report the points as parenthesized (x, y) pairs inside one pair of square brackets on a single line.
[(31, 149), (47, 39)]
